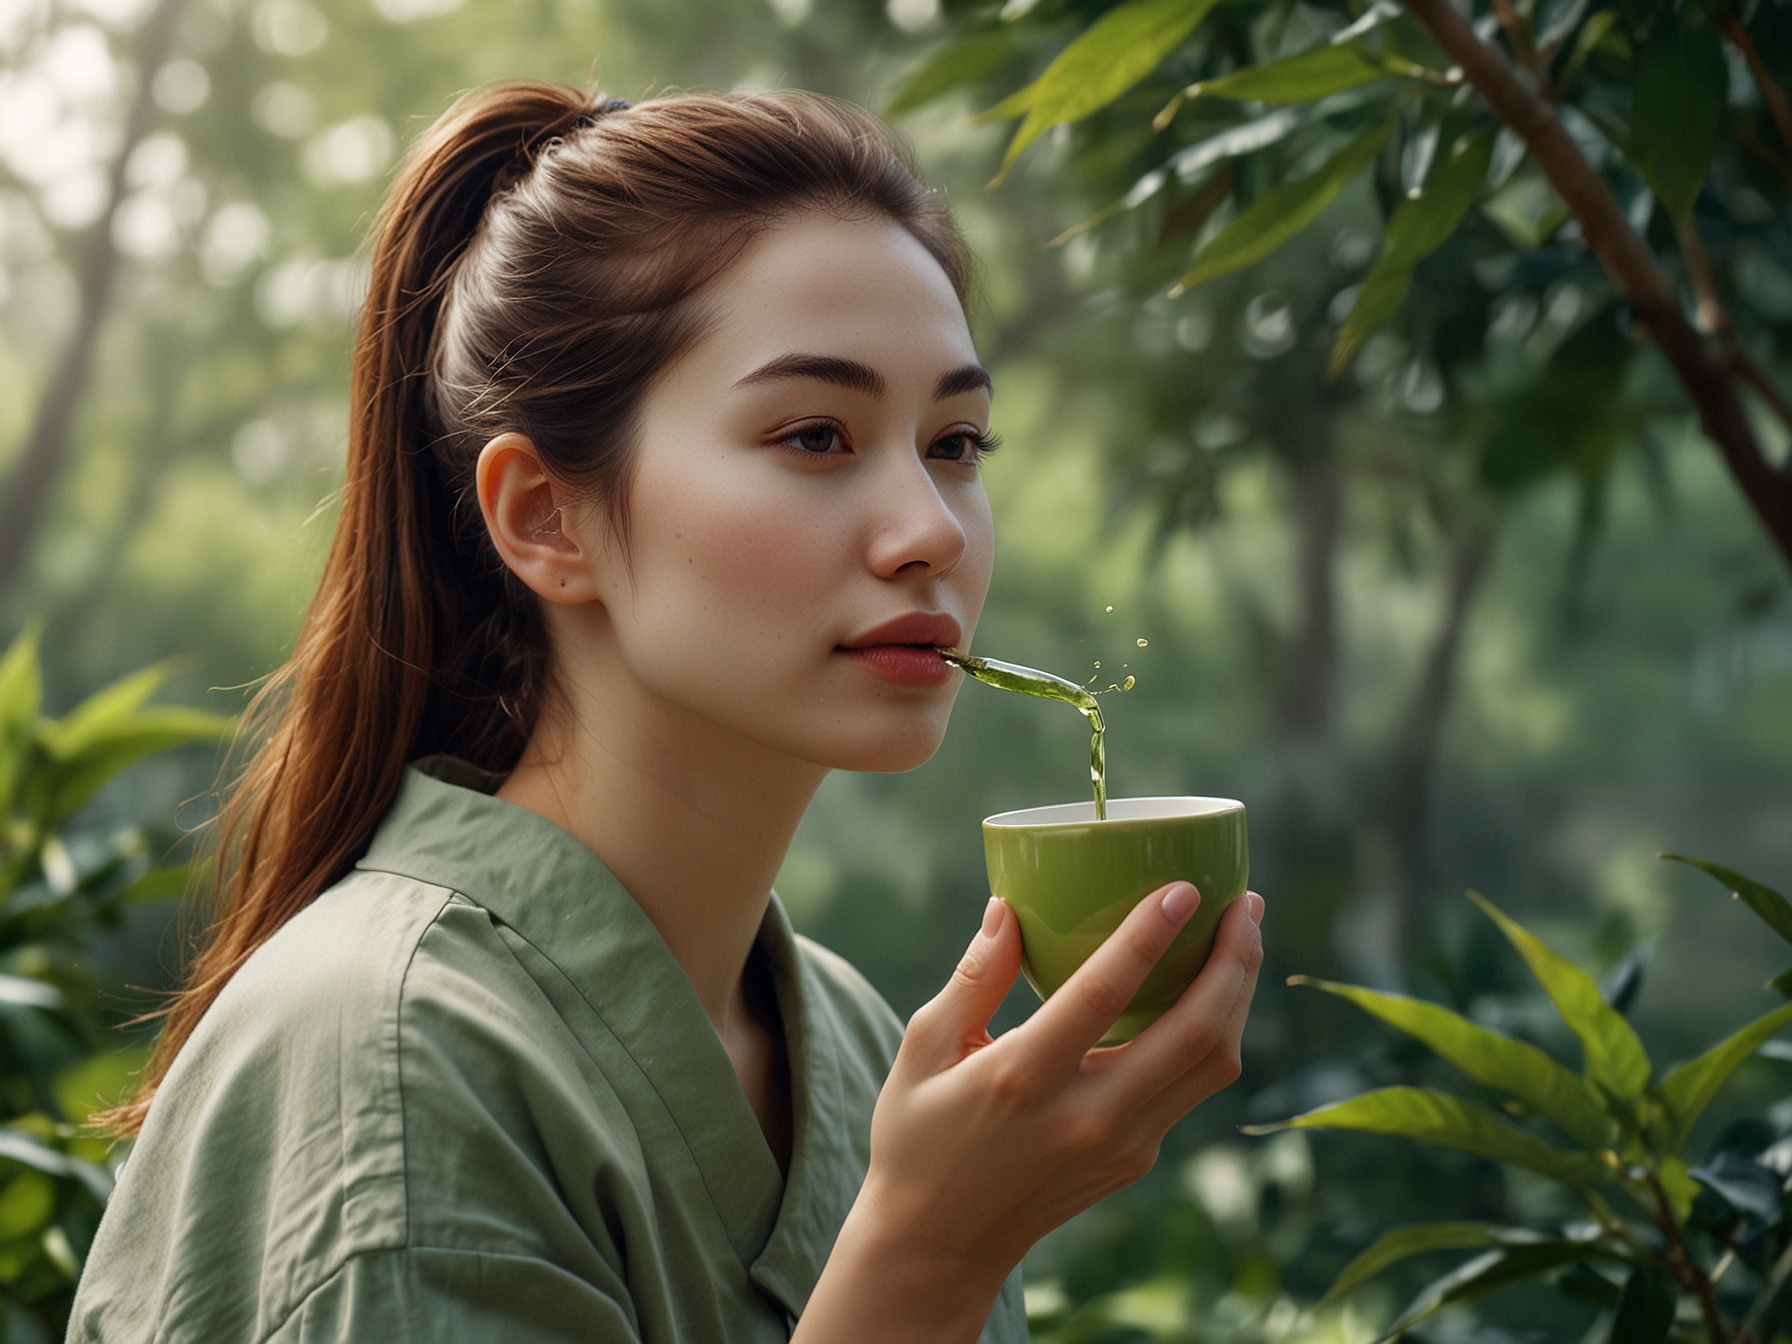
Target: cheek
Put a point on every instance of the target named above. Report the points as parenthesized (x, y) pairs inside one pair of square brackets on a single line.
[(729, 563)]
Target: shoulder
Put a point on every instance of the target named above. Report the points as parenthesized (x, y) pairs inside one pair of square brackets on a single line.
[(282, 1143), (846, 1003)]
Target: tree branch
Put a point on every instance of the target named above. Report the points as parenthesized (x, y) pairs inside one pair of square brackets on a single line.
[(1714, 318), (28, 487), (1679, 1263), (1709, 381), (1766, 153), (1731, 27)]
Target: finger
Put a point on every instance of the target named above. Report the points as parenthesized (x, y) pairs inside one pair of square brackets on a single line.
[(1070, 1023), (1206, 1021), (1216, 1072), (956, 1020)]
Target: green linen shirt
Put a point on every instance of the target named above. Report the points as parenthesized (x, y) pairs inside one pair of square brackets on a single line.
[(468, 1095)]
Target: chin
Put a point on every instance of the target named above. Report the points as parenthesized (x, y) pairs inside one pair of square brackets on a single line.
[(886, 748)]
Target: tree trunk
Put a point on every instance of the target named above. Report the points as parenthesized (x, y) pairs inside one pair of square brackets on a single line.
[(29, 486), (1407, 804)]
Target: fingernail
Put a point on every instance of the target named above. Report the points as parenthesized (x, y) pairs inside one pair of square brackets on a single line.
[(1180, 902), (992, 917), (1256, 907)]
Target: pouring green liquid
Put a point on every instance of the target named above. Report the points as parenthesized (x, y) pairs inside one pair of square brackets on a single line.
[(1031, 681)]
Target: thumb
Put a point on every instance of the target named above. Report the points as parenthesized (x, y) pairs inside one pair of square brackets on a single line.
[(956, 1020)]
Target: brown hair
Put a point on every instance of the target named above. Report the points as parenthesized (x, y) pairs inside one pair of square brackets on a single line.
[(535, 265)]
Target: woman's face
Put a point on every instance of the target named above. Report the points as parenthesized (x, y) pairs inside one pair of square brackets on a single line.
[(805, 476)]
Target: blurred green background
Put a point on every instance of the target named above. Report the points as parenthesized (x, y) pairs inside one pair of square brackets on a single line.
[(1416, 682)]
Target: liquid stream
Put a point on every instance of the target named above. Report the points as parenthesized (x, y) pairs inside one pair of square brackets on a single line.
[(1031, 681)]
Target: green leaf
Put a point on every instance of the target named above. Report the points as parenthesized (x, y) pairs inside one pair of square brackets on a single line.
[(1676, 1179), (33, 1152), (1525, 207), (1615, 1060), (158, 884), (1782, 983), (1117, 51), (1645, 1307), (27, 1202), (1682, 85), (1400, 1243), (70, 735), (1689, 1089), (1573, 418), (1437, 1117), (21, 697), (1296, 79), (1763, 900), (1592, 32), (1282, 212), (1513, 1067), (97, 1082), (104, 750), (1418, 226), (977, 58), (1487, 1274)]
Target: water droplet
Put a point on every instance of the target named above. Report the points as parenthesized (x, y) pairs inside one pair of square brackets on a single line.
[(1128, 684), (1098, 662), (1110, 611), (1143, 643)]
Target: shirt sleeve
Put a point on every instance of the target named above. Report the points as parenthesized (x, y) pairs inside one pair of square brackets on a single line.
[(455, 1297)]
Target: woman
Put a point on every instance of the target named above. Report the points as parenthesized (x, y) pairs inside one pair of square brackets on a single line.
[(662, 490)]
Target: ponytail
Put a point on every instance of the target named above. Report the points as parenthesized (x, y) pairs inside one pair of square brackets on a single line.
[(531, 270)]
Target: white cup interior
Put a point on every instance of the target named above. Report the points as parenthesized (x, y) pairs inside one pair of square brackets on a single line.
[(1119, 809)]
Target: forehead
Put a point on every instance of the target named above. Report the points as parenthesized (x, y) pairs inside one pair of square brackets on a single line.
[(864, 289)]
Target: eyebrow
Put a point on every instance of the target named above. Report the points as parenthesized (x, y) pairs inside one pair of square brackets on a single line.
[(850, 373)]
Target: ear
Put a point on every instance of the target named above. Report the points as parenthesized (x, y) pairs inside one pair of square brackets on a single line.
[(533, 522)]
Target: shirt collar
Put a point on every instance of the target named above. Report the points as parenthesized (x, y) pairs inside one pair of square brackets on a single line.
[(446, 828)]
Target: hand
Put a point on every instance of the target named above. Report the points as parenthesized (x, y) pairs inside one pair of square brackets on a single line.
[(980, 1146)]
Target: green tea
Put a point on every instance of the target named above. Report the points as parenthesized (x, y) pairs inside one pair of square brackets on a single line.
[(1031, 681)]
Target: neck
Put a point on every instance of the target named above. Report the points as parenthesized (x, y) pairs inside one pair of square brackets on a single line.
[(692, 818)]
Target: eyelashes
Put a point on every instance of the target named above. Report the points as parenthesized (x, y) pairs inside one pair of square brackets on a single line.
[(823, 439), (982, 445)]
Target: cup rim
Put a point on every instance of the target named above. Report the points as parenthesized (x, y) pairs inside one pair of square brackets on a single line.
[(1082, 814)]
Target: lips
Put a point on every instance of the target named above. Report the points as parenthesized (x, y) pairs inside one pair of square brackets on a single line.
[(904, 651)]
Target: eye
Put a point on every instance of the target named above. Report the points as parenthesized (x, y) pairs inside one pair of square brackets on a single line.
[(815, 440), (964, 446)]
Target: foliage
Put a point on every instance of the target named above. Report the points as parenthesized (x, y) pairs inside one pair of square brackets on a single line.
[(1609, 145), (1718, 1236), (60, 884)]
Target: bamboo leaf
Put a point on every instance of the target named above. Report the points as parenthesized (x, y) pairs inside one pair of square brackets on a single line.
[(1295, 79), (1615, 1060), (1400, 1243), (1437, 1117), (1487, 1274), (1417, 227), (1282, 212), (1689, 1089), (1513, 1067), (1682, 84), (1645, 1307), (1782, 983), (1117, 51), (1772, 907)]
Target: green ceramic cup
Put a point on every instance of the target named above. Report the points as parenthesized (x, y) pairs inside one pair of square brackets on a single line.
[(1071, 879)]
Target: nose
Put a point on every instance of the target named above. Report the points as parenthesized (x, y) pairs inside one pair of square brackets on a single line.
[(916, 532)]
